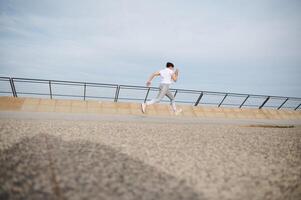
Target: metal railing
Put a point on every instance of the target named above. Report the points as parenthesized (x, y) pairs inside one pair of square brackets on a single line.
[(293, 103)]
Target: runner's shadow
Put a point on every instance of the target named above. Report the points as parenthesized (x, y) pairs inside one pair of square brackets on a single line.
[(47, 167)]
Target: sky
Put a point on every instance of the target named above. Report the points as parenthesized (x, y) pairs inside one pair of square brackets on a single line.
[(238, 46)]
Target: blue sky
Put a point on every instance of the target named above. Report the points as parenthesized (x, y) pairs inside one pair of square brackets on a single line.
[(229, 46)]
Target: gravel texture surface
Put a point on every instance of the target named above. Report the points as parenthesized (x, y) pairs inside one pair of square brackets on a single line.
[(65, 159)]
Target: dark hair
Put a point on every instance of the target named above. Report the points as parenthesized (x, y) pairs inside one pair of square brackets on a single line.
[(169, 64)]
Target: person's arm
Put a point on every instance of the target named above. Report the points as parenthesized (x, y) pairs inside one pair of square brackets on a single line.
[(175, 75), (149, 82)]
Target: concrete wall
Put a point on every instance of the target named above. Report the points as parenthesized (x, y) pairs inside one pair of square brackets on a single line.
[(106, 107)]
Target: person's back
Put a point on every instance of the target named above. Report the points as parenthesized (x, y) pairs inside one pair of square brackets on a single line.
[(166, 76)]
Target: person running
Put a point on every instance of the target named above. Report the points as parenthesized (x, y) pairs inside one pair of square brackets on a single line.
[(168, 75)]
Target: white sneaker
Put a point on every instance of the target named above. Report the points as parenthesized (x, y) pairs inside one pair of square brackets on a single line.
[(178, 111), (143, 106)]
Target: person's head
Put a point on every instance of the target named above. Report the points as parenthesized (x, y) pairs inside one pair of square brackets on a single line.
[(169, 65)]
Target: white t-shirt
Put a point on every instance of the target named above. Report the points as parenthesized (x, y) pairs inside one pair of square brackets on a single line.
[(166, 76)]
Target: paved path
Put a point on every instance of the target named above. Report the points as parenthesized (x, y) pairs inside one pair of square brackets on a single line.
[(145, 118), (103, 159)]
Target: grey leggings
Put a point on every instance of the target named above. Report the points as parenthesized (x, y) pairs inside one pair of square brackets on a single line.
[(164, 91)]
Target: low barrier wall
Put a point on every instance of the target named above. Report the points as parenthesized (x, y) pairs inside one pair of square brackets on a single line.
[(121, 108)]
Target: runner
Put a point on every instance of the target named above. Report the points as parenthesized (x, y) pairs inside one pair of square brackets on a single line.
[(168, 75)]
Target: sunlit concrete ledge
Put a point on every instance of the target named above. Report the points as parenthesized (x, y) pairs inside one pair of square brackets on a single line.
[(121, 108)]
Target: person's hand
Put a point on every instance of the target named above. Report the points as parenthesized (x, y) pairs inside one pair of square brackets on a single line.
[(176, 71), (148, 83)]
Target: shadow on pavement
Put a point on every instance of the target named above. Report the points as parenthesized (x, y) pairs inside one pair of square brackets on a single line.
[(47, 167)]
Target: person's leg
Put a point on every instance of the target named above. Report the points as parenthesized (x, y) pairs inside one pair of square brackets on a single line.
[(159, 97), (172, 102)]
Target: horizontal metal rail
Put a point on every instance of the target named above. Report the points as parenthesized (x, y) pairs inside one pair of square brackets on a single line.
[(118, 90)]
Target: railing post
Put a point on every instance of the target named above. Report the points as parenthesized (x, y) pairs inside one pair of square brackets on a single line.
[(117, 93), (282, 104), (146, 95), (222, 100), (11, 80), (85, 86), (297, 107), (199, 99), (244, 101), (175, 93), (264, 102), (50, 90), (12, 87)]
